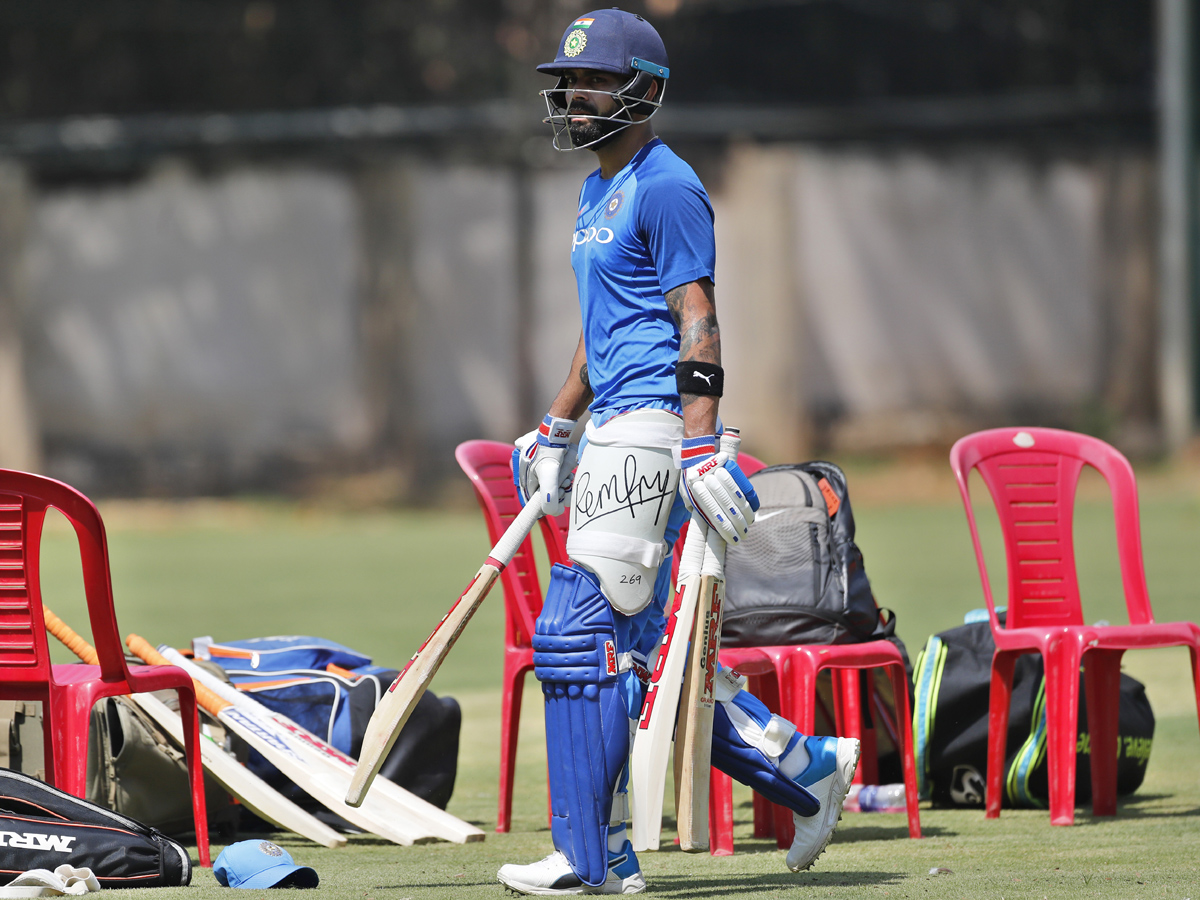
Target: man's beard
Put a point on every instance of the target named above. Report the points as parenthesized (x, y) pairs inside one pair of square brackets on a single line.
[(587, 131)]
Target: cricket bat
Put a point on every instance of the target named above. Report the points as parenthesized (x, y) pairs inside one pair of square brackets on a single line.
[(401, 698), (254, 793), (389, 797), (693, 730), (656, 725), (285, 754)]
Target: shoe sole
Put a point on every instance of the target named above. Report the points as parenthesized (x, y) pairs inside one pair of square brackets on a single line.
[(633, 887), (841, 786)]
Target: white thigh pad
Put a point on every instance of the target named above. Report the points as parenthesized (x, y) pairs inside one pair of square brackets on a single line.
[(624, 489)]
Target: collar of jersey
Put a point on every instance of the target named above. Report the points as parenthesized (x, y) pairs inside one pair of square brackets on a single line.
[(619, 179)]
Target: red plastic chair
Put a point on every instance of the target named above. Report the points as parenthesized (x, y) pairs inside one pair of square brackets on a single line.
[(785, 679), (1032, 474), (68, 692), (488, 464)]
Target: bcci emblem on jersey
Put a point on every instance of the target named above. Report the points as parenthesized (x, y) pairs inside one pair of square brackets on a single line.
[(575, 43), (610, 208)]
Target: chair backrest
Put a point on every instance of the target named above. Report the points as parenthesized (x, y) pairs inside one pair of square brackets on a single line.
[(489, 466), (1032, 475), (24, 650)]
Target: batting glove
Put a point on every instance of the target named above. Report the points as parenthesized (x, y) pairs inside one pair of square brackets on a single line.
[(544, 465), (714, 486)]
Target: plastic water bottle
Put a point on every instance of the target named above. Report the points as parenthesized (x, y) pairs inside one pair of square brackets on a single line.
[(875, 798)]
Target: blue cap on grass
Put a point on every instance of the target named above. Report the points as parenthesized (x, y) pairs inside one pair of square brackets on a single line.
[(261, 864)]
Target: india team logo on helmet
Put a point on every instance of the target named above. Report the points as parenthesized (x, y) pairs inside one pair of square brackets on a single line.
[(575, 43)]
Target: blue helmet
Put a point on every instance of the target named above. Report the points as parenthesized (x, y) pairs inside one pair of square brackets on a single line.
[(608, 40)]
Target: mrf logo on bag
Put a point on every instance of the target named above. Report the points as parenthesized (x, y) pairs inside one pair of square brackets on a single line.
[(59, 843)]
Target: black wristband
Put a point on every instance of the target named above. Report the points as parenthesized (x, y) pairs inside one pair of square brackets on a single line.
[(700, 378)]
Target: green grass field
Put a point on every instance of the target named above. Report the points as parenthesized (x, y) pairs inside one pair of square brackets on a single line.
[(379, 581)]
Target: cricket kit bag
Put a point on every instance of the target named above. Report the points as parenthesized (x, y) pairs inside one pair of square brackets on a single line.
[(798, 578), (42, 827), (332, 691), (950, 726), (134, 769)]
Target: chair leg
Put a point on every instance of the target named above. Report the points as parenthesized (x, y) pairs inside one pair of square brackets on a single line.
[(1102, 682), (1195, 652), (766, 690), (68, 767), (510, 720), (720, 813), (999, 698), (1062, 717), (797, 673), (905, 734), (191, 744)]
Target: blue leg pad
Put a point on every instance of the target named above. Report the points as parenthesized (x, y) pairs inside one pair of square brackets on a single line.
[(750, 766), (587, 727)]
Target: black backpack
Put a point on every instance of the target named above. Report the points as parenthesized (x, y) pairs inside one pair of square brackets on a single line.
[(42, 827), (950, 726), (798, 576)]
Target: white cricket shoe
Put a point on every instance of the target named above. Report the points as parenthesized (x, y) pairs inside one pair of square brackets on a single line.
[(554, 875), (832, 761)]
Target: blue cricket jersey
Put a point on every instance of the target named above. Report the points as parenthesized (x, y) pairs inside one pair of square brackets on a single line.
[(639, 234)]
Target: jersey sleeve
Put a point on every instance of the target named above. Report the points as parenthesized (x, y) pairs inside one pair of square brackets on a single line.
[(676, 220)]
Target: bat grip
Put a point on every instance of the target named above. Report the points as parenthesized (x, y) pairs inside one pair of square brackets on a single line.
[(691, 559), (69, 638), (145, 651), (714, 544), (515, 534)]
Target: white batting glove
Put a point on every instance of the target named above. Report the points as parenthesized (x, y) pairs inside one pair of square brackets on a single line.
[(544, 465), (715, 486)]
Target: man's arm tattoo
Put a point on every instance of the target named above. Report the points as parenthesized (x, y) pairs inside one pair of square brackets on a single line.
[(583, 376), (675, 303), (702, 340)]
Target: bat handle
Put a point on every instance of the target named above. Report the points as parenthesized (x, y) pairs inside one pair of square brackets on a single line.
[(731, 442), (145, 651), (714, 544), (70, 639), (506, 548)]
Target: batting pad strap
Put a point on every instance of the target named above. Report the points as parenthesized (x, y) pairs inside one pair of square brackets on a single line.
[(700, 378), (623, 547), (576, 659), (655, 429), (727, 684), (747, 764)]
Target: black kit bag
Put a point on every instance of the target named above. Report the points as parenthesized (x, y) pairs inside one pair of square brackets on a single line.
[(42, 827), (950, 726), (798, 577)]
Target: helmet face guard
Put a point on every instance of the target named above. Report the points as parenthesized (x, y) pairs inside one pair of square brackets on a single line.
[(630, 101)]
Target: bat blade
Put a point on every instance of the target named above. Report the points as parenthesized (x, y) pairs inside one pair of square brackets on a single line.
[(401, 698), (258, 796), (693, 739), (252, 791), (285, 754), (656, 725), (390, 802), (693, 735)]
